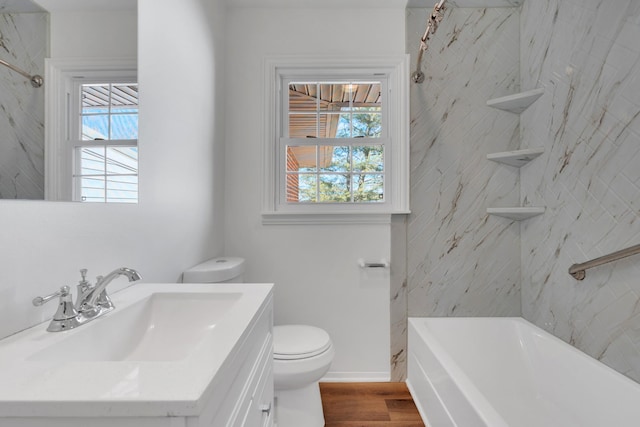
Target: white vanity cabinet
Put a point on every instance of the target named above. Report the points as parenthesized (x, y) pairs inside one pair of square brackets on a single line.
[(245, 397), (226, 381)]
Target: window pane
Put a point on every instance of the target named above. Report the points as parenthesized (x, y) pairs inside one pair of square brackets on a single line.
[(307, 188), (368, 94), (334, 188), (95, 97), (95, 127), (301, 158), (332, 96), (109, 111), (334, 159), (124, 96), (303, 96), (122, 189), (107, 174), (303, 125), (368, 158), (92, 160), (122, 160), (368, 125), (350, 90), (329, 125), (124, 126), (92, 189), (368, 188), (344, 126)]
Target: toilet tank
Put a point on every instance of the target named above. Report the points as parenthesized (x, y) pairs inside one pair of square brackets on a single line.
[(216, 270)]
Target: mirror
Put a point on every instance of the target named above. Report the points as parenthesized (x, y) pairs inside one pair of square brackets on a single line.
[(30, 31)]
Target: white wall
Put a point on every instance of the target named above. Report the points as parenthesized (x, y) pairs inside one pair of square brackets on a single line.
[(314, 268), (91, 33), (178, 221)]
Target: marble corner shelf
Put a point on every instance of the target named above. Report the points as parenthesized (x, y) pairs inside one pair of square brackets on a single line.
[(517, 158), (517, 102), (517, 214)]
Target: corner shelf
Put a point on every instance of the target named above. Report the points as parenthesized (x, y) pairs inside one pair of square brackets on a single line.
[(516, 158), (516, 103), (517, 214)]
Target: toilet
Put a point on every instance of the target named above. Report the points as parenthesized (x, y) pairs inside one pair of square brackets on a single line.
[(302, 354)]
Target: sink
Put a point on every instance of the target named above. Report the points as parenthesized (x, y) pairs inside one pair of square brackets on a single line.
[(162, 327), (166, 348)]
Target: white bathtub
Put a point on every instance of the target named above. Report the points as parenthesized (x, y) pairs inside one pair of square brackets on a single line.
[(506, 372)]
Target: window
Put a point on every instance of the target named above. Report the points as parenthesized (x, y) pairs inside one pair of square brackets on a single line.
[(336, 140), (104, 141), (91, 132)]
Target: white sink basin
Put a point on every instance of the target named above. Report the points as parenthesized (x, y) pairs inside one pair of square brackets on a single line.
[(162, 327), (161, 351)]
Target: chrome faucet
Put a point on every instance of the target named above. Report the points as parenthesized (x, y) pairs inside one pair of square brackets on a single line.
[(91, 303), (94, 300)]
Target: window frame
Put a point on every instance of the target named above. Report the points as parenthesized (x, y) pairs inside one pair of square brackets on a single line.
[(393, 69), (61, 74)]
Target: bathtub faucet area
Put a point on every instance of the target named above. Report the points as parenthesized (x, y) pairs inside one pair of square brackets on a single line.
[(92, 301)]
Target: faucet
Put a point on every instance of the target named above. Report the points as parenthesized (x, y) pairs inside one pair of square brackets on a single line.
[(93, 300), (91, 303)]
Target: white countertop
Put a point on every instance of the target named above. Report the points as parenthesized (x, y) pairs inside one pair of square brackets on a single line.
[(123, 388)]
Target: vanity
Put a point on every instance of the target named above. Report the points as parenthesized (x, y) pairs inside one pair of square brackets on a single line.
[(168, 355)]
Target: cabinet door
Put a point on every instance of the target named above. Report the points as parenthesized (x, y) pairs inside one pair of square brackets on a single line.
[(261, 411)]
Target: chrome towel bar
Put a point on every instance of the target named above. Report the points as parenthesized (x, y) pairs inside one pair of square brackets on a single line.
[(578, 270)]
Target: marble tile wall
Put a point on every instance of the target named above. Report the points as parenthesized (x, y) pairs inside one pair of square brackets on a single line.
[(586, 55), (461, 262), (23, 43)]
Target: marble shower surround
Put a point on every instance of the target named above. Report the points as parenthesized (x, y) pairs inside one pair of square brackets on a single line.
[(586, 56), (23, 43), (461, 262)]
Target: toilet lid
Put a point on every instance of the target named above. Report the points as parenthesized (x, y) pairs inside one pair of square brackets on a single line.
[(299, 341)]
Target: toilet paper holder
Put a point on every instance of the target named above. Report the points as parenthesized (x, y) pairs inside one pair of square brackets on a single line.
[(383, 263)]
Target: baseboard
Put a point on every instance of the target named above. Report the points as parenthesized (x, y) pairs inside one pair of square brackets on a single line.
[(356, 377)]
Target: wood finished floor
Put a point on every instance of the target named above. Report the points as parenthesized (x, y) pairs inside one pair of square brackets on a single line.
[(368, 405)]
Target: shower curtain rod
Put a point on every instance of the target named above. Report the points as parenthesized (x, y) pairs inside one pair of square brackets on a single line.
[(432, 25), (36, 80)]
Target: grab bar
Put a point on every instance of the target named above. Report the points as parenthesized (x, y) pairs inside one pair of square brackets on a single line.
[(578, 270)]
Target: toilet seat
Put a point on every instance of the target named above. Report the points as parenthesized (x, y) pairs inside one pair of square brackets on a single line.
[(292, 342)]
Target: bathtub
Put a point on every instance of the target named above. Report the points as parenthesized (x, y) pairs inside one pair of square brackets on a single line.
[(506, 372)]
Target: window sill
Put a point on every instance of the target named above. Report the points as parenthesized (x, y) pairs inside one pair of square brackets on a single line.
[(288, 218)]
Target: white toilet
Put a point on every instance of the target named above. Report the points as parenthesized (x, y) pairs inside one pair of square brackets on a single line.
[(302, 354)]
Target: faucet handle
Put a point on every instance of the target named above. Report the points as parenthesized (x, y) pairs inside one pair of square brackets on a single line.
[(83, 274), (66, 315), (63, 292)]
